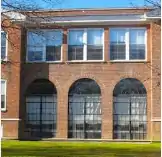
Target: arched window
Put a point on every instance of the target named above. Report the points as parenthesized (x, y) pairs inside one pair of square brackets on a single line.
[(129, 110), (41, 102), (84, 111)]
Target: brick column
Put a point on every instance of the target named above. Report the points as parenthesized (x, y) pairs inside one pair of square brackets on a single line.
[(62, 115), (64, 47), (106, 44), (107, 115)]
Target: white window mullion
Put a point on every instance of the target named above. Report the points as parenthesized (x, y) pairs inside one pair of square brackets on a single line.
[(127, 44), (85, 45)]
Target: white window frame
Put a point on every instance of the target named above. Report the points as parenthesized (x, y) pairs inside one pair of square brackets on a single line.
[(127, 29), (1, 131), (6, 53), (85, 45), (44, 47), (5, 107)]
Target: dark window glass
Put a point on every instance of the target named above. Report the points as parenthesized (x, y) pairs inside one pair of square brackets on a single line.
[(41, 103), (53, 53), (94, 52), (2, 101), (35, 54), (75, 52), (3, 45)]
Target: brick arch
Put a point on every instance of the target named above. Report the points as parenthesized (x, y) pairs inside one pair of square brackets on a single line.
[(92, 77), (54, 82), (135, 76)]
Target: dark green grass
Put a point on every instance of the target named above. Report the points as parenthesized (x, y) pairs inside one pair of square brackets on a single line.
[(79, 149)]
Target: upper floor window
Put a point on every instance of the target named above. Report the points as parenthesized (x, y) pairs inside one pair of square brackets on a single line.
[(128, 43), (3, 45), (3, 95), (44, 45), (85, 44)]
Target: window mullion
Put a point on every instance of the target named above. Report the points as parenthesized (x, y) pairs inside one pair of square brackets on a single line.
[(127, 44), (85, 45)]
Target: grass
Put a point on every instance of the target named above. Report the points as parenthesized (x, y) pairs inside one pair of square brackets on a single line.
[(78, 149)]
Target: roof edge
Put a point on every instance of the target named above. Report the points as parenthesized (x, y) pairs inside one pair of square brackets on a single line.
[(88, 9)]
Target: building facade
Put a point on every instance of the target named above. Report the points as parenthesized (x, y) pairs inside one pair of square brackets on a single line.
[(82, 74)]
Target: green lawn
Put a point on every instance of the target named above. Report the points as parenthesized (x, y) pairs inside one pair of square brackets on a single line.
[(78, 149)]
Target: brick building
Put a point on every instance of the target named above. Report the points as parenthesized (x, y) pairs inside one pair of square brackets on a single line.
[(82, 74)]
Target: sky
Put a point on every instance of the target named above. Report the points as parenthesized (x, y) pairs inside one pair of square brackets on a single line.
[(64, 4), (71, 4)]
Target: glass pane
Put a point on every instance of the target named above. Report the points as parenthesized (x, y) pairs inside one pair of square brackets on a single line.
[(94, 52), (3, 87), (41, 116), (117, 44), (75, 37), (3, 45), (121, 108), (2, 101), (54, 38), (75, 52), (36, 38), (95, 37), (35, 53), (53, 53), (137, 44), (3, 52)]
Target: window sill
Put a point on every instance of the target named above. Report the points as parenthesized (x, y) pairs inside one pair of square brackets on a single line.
[(4, 110), (128, 61), (88, 61), (42, 62), (4, 61)]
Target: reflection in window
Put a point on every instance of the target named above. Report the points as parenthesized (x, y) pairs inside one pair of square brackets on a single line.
[(117, 45), (127, 43), (84, 110), (137, 44), (95, 44), (75, 45), (85, 44), (129, 110), (44, 45)]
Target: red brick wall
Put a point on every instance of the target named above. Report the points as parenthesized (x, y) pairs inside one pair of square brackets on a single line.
[(10, 71), (64, 74), (156, 80)]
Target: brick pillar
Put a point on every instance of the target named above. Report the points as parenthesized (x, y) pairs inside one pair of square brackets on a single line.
[(107, 115), (64, 47), (106, 44), (149, 123), (62, 115)]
